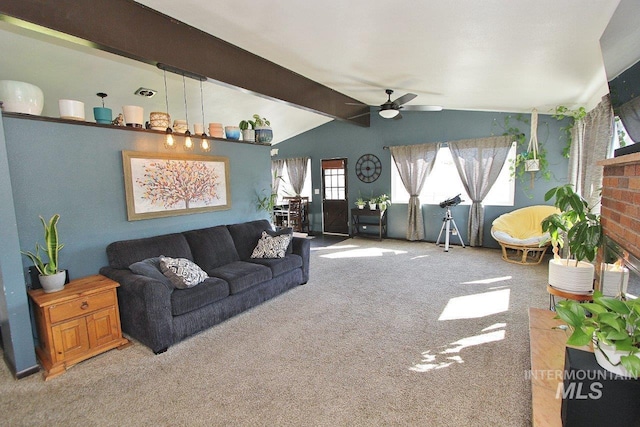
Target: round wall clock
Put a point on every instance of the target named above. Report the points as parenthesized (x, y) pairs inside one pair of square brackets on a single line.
[(368, 168)]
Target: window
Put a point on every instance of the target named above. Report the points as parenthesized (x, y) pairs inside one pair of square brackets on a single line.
[(444, 182), (286, 190)]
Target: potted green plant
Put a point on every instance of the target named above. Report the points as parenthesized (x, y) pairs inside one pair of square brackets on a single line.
[(248, 134), (578, 230), (264, 133), (361, 203), (612, 325), (383, 202), (373, 203), (51, 278)]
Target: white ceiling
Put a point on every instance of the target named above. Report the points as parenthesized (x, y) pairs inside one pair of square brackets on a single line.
[(491, 55)]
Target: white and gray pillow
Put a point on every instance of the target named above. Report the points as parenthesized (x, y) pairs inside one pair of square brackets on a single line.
[(182, 272), (271, 246)]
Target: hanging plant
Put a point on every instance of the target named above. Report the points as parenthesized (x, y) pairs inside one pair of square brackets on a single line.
[(526, 159), (562, 112)]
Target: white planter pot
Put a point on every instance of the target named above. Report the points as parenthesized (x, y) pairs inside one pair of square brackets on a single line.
[(609, 358), (360, 206), (614, 280), (532, 165), (249, 135), (54, 282), (571, 278), (71, 109), (372, 206), (21, 97), (133, 115)]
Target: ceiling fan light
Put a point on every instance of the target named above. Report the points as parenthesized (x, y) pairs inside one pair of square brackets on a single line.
[(388, 114)]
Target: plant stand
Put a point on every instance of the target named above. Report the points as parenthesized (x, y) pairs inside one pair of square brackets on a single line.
[(523, 254)]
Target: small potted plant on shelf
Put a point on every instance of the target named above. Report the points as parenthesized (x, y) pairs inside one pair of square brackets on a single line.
[(264, 133), (373, 203), (612, 325), (360, 203), (577, 228), (51, 278), (248, 135), (384, 202)]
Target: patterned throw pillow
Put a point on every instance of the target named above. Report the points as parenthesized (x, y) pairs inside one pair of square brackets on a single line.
[(271, 246), (181, 272)]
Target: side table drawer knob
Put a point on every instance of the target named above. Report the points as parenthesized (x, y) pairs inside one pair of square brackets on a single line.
[(84, 305)]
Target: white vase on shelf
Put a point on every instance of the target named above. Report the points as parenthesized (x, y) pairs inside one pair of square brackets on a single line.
[(21, 97)]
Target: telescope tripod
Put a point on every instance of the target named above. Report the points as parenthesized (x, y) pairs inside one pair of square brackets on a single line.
[(448, 221)]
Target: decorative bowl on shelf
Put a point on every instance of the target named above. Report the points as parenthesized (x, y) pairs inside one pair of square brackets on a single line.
[(71, 109), (21, 97), (233, 132), (264, 134), (159, 120)]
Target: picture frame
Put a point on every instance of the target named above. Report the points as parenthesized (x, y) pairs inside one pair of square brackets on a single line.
[(168, 184)]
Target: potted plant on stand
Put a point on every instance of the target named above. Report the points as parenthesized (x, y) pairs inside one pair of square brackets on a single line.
[(373, 203), (581, 232), (361, 203), (51, 278), (264, 133), (612, 325), (248, 135), (383, 202)]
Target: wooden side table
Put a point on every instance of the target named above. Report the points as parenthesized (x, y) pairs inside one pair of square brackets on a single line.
[(77, 323), (377, 218)]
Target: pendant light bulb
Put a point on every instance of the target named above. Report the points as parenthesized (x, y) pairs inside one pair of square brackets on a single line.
[(205, 145), (188, 144), (169, 142)]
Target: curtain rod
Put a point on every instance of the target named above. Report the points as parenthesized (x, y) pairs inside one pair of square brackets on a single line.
[(442, 144)]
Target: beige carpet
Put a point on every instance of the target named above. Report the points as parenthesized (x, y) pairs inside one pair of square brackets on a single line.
[(385, 333)]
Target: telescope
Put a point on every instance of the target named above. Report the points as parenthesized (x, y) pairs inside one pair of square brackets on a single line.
[(451, 202)]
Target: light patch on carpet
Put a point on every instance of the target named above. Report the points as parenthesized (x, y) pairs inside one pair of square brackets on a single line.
[(363, 253), (448, 356), (333, 247), (477, 305), (487, 281)]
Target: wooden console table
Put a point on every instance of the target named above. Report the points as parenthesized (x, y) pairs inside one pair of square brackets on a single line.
[(376, 218), (547, 344), (76, 323)]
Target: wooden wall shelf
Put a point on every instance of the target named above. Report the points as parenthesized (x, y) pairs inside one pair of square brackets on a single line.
[(125, 128)]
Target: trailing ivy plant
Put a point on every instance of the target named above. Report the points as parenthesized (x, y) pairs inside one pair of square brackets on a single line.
[(562, 112)]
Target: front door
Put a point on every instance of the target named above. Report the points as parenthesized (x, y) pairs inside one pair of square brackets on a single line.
[(335, 206)]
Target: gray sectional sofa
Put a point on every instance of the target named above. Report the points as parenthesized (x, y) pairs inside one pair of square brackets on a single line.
[(158, 314)]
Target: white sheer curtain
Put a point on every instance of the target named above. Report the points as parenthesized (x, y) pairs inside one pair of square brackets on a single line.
[(297, 170), (276, 174), (414, 163), (590, 140), (479, 162)]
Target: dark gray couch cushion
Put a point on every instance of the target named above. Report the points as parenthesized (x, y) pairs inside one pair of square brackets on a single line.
[(210, 290), (246, 236), (212, 247), (126, 252), (150, 267), (241, 275), (280, 266)]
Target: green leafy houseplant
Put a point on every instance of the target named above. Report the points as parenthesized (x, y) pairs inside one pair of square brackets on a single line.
[(260, 121), (611, 321), (383, 201), (245, 124), (576, 226), (561, 112), (52, 246), (360, 202)]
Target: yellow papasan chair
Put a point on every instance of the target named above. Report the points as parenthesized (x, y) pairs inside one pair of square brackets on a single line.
[(520, 234)]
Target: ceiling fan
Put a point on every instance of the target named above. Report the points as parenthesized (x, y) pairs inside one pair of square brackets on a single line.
[(391, 109)]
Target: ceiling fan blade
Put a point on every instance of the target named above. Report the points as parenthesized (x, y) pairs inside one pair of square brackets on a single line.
[(422, 107), (398, 117), (405, 98)]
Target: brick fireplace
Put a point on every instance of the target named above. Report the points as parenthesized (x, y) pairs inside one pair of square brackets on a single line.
[(620, 211), (620, 217)]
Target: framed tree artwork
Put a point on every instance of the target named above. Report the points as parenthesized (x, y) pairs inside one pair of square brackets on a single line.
[(165, 184)]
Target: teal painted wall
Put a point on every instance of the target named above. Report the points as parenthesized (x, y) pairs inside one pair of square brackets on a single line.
[(337, 139), (76, 171), (14, 310)]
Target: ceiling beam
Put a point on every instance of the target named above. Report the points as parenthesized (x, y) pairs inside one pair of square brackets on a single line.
[(129, 29)]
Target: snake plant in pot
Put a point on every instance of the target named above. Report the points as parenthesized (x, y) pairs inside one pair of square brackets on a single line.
[(612, 325), (51, 278), (579, 231)]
